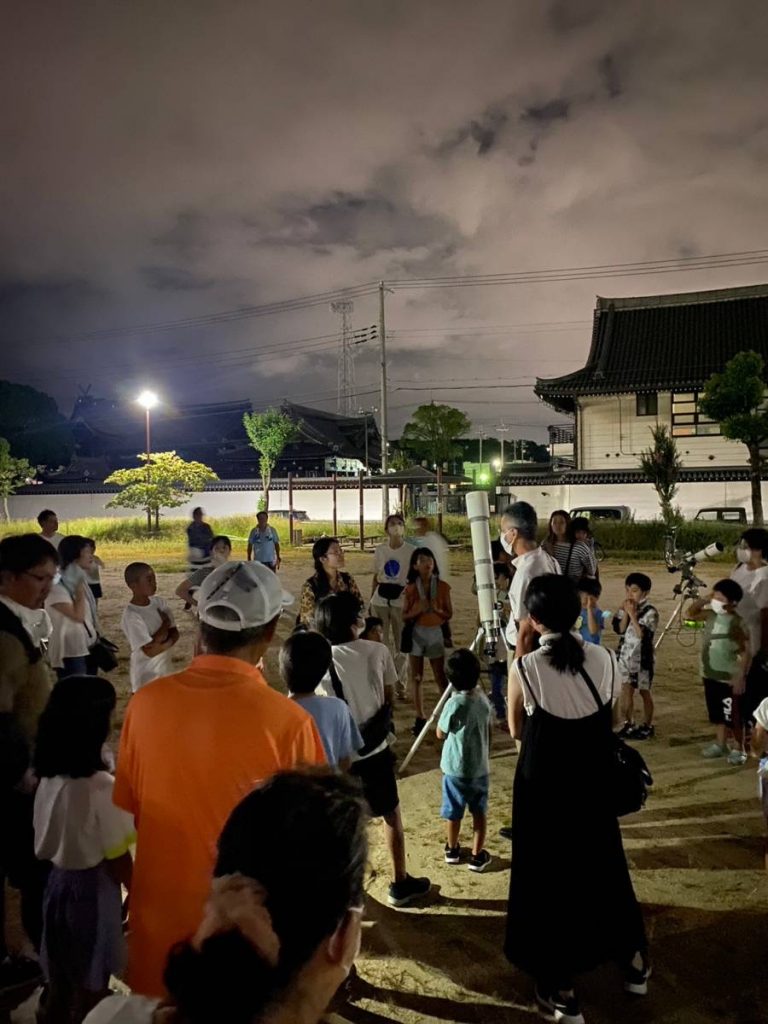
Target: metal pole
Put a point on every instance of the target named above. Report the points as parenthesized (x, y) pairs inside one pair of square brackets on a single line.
[(149, 471), (384, 416), (362, 513), (367, 470), (439, 499), (290, 509), (335, 519)]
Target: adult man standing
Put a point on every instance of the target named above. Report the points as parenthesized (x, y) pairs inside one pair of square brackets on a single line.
[(49, 527), (392, 560), (27, 569), (264, 543), (518, 538), (193, 744), (199, 540)]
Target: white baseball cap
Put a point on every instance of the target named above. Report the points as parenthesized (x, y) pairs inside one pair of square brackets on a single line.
[(249, 589)]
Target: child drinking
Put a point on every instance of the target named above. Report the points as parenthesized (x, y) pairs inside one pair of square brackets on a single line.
[(636, 623), (87, 839), (592, 620), (465, 727)]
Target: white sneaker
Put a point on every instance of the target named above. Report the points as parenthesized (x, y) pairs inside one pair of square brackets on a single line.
[(566, 1011)]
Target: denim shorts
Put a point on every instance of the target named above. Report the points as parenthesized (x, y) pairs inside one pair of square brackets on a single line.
[(460, 794), (428, 642)]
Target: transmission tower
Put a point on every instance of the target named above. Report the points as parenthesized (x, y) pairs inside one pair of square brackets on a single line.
[(346, 373)]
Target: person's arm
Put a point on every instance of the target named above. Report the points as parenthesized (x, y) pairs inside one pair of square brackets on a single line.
[(344, 764), (183, 591), (447, 609), (250, 546), (697, 610), (621, 620), (515, 705), (74, 609), (164, 637), (278, 559), (412, 606), (759, 741), (526, 634), (764, 632)]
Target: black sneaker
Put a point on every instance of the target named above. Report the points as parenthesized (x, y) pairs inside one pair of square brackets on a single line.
[(627, 730), (452, 854), (401, 894), (480, 861), (18, 972), (565, 1010), (643, 732), (506, 832), (417, 726), (636, 979)]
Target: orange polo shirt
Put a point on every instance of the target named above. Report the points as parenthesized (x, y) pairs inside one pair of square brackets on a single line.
[(193, 745)]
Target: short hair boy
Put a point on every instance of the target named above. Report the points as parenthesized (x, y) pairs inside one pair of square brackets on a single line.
[(592, 622), (465, 726), (148, 625), (305, 658), (724, 663), (636, 623), (374, 629)]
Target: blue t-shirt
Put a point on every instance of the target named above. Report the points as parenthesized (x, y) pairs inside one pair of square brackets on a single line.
[(263, 545), (338, 730), (465, 721), (587, 637)]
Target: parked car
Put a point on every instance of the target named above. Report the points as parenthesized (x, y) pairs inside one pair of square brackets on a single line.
[(721, 514), (604, 513), (282, 513)]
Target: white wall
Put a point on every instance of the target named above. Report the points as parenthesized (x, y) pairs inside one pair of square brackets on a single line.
[(316, 503), (611, 435), (640, 498)]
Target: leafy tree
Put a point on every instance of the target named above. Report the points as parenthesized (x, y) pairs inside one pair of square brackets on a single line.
[(164, 481), (268, 433), (14, 473), (735, 398), (399, 459), (433, 431), (661, 464), (33, 426)]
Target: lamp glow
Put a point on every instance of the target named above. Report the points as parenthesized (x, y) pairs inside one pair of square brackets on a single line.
[(148, 399)]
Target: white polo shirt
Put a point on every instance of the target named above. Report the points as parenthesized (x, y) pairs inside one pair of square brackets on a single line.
[(527, 567)]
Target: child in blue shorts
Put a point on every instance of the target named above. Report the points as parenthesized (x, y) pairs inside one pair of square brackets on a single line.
[(465, 726)]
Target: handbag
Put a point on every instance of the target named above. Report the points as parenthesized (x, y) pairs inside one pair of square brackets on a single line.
[(630, 777), (406, 637), (378, 727), (390, 591), (103, 653)]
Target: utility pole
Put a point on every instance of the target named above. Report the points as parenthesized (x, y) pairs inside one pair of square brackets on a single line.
[(482, 434), (384, 418), (502, 429)]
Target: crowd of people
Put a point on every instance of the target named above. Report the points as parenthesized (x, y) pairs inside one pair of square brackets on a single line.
[(230, 833)]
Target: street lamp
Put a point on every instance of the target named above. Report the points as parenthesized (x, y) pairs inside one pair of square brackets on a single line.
[(148, 400)]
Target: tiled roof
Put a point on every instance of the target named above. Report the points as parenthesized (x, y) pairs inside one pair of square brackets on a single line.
[(663, 343), (343, 436)]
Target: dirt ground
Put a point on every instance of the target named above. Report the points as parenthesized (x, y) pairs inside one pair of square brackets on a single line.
[(696, 854)]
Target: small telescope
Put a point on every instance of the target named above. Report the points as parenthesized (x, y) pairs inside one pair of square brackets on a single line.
[(479, 516)]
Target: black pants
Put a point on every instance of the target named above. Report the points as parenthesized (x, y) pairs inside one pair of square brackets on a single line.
[(19, 867)]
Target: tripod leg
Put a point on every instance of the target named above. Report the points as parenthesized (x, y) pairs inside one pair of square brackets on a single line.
[(422, 735), (675, 614)]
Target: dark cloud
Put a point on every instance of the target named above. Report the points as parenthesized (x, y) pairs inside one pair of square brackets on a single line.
[(609, 75), (175, 279), (546, 113)]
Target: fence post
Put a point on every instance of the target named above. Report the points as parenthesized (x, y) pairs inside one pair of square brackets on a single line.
[(439, 499), (290, 509), (335, 509), (362, 513)]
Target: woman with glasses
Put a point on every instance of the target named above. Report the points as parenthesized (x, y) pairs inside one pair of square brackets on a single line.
[(328, 578), (279, 934)]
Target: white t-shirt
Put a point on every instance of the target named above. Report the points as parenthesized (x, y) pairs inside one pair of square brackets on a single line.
[(140, 623), (69, 639), (563, 694), (761, 713), (123, 1010), (364, 668), (754, 583), (76, 824), (527, 567), (55, 539), (391, 566)]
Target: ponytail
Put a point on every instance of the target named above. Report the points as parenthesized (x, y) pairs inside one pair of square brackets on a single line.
[(554, 602), (565, 653)]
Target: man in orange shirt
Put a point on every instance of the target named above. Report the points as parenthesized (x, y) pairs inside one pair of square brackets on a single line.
[(193, 745)]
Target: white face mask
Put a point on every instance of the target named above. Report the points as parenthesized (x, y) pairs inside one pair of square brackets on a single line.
[(219, 557), (743, 555), (396, 530), (718, 607), (508, 547)]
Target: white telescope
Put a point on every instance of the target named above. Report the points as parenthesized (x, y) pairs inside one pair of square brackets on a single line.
[(479, 517)]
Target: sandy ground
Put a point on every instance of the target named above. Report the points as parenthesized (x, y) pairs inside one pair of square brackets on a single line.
[(696, 854)]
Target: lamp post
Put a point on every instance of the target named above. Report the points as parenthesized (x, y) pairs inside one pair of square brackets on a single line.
[(148, 400)]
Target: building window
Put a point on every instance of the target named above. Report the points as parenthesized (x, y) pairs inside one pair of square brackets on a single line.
[(687, 421), (647, 405)]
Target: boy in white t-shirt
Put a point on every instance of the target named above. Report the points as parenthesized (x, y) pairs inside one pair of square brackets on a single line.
[(760, 750), (149, 627)]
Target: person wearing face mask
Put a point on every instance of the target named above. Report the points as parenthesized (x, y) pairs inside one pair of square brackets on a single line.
[(278, 935), (724, 662), (751, 573), (72, 608), (28, 566), (221, 552), (328, 578), (529, 560), (391, 560)]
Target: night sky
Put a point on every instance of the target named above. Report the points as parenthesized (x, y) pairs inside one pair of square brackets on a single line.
[(166, 161)]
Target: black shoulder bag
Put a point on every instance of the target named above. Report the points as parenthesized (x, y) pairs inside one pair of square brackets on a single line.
[(378, 726), (630, 777)]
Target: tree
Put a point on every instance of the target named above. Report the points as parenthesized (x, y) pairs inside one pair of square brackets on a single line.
[(661, 464), (167, 482), (33, 426), (268, 433), (735, 399), (14, 473), (433, 431)]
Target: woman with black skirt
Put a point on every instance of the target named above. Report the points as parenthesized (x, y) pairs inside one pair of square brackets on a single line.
[(571, 902)]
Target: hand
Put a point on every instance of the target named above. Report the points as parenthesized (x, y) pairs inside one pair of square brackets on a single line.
[(278, 563), (591, 601), (423, 606)]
